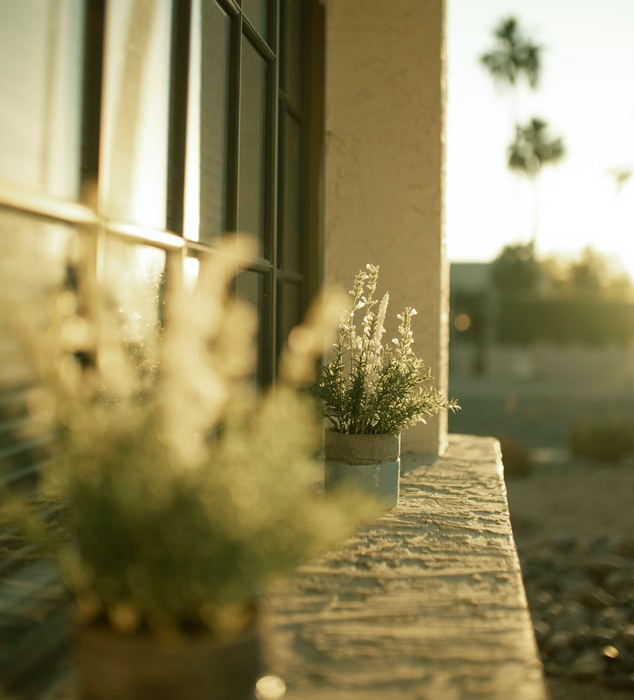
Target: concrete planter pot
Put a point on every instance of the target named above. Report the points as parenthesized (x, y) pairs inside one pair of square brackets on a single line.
[(144, 667), (369, 462)]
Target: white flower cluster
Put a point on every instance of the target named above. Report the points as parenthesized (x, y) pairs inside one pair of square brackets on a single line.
[(406, 339), (369, 386)]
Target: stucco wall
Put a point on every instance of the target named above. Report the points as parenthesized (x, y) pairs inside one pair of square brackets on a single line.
[(385, 67)]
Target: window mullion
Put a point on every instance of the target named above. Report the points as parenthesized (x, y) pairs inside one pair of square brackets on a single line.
[(177, 130), (271, 191), (94, 27), (233, 147)]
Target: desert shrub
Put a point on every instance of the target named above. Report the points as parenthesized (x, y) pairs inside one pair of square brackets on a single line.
[(604, 441), (515, 456)]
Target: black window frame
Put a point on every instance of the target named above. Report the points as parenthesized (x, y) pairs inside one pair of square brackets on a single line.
[(82, 214)]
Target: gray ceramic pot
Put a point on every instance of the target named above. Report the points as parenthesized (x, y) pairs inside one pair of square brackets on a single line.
[(369, 462)]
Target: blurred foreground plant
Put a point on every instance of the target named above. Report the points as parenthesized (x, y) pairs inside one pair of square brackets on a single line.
[(369, 387), (184, 490)]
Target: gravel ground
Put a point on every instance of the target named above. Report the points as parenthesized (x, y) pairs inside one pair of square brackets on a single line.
[(574, 527)]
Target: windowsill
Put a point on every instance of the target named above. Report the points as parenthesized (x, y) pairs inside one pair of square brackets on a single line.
[(427, 603)]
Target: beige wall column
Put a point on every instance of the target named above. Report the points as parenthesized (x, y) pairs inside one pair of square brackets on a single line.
[(384, 176)]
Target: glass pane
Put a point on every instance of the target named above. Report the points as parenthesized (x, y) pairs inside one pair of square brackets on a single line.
[(136, 95), (250, 288), (33, 257), (292, 53), (40, 84), (256, 13), (290, 305), (206, 182), (292, 191), (251, 181), (133, 274)]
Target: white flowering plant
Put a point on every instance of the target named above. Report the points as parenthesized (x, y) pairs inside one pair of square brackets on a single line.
[(368, 386), (183, 489)]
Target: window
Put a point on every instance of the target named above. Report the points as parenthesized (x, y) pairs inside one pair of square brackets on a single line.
[(40, 82), (135, 112), (247, 140), (188, 118), (165, 123), (192, 117)]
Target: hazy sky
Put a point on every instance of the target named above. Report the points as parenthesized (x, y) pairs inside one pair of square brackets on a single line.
[(586, 94)]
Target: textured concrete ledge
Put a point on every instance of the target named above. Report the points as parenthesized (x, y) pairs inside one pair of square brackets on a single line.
[(427, 604)]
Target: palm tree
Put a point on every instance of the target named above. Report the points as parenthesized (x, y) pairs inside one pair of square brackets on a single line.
[(532, 148), (530, 151), (513, 55), (621, 175)]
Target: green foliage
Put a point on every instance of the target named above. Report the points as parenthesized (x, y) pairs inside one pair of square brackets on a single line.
[(184, 492), (513, 55), (604, 441), (592, 273), (533, 148), (369, 387), (587, 299), (516, 269)]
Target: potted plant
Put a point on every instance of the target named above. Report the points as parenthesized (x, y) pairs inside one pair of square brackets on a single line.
[(370, 391), (183, 490)]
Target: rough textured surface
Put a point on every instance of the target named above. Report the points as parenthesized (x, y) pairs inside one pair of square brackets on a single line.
[(427, 604), (384, 168), (574, 527)]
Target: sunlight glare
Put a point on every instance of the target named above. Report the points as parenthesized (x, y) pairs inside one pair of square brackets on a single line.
[(585, 92)]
